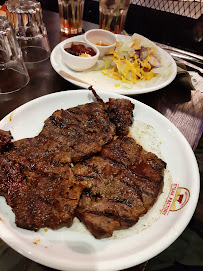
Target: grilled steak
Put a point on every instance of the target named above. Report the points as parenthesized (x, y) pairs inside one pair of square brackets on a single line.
[(121, 114), (80, 131), (113, 182), (111, 200), (125, 151), (39, 199), (5, 139), (146, 166), (119, 188), (36, 179), (67, 136)]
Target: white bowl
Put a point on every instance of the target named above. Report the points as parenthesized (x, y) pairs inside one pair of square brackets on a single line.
[(101, 36), (78, 63)]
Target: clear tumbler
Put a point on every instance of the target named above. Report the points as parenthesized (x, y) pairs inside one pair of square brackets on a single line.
[(26, 17), (71, 15), (112, 14), (13, 72)]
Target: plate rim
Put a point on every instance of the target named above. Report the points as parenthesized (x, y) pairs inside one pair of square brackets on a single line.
[(119, 264), (56, 67)]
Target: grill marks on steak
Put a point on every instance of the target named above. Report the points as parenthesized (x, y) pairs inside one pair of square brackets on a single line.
[(39, 199), (120, 113), (5, 140), (36, 179), (130, 154), (111, 200), (119, 189), (146, 166), (40, 154), (79, 131), (107, 192), (46, 193), (47, 201)]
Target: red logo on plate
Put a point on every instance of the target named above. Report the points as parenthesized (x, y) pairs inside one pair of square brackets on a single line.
[(176, 200)]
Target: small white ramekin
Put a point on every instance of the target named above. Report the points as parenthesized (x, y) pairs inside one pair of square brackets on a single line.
[(78, 63), (100, 35)]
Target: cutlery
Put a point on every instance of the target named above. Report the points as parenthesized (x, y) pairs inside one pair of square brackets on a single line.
[(188, 64), (186, 57), (182, 53), (68, 76)]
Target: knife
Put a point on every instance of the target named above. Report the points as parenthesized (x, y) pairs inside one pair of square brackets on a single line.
[(188, 64), (182, 52)]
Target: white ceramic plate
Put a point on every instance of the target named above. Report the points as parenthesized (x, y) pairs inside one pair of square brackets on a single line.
[(101, 82), (75, 248)]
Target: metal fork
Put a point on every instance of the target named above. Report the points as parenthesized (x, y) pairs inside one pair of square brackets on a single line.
[(188, 64), (182, 53)]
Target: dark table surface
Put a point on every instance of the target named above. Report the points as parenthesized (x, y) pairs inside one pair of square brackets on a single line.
[(44, 80)]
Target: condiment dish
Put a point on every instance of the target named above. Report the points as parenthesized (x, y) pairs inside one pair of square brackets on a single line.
[(80, 62), (104, 40)]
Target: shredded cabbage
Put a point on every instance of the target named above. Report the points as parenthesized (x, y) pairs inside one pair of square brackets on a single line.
[(130, 62)]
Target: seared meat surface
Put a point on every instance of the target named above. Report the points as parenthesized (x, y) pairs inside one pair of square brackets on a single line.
[(36, 178), (78, 166), (119, 190), (39, 198), (5, 139), (111, 200), (121, 114), (78, 132), (37, 154), (130, 154)]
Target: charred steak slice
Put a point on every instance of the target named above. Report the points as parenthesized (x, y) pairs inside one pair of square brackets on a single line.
[(67, 136), (5, 140), (36, 179), (121, 114), (38, 154), (82, 131), (79, 131), (111, 200), (149, 190), (125, 151), (37, 199), (146, 166)]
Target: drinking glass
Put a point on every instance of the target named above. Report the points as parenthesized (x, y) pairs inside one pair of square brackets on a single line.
[(71, 15), (13, 72), (26, 17), (112, 14)]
